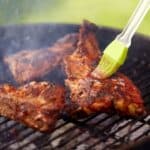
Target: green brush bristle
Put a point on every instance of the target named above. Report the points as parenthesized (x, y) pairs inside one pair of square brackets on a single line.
[(107, 66), (113, 57)]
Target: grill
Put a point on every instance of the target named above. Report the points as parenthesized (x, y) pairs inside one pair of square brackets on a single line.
[(100, 131)]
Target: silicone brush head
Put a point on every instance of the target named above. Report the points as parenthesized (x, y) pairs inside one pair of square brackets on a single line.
[(114, 56)]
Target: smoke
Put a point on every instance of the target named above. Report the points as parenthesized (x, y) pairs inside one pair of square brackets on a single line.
[(17, 38)]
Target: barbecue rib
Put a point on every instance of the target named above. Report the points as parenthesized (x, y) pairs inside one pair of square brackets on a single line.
[(37, 104), (93, 95), (29, 65)]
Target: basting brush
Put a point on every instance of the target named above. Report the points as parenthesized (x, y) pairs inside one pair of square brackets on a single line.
[(116, 52)]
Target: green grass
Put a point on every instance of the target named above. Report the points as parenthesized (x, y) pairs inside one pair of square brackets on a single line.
[(102, 12)]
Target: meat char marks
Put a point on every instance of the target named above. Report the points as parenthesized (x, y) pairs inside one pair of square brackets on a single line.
[(28, 65), (36, 104), (93, 95), (39, 104)]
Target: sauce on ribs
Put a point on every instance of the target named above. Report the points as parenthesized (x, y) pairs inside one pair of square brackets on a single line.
[(93, 95)]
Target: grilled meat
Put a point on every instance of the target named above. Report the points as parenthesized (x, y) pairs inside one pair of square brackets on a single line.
[(117, 93), (36, 104), (93, 95), (29, 65), (127, 98), (86, 55)]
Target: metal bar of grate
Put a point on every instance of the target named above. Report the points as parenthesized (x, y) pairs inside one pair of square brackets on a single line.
[(3, 120), (120, 127), (15, 134), (43, 136), (59, 136), (19, 145), (144, 134), (89, 128), (23, 134), (102, 134), (7, 125), (127, 123), (125, 135)]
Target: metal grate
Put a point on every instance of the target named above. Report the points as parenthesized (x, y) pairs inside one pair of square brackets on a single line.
[(101, 131)]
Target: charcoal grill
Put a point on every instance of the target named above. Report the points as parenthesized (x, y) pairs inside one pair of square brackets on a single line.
[(101, 131)]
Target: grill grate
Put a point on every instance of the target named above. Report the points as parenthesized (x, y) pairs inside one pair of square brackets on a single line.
[(101, 131)]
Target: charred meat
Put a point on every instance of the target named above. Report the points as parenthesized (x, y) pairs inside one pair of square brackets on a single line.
[(39, 104), (93, 95), (29, 65), (36, 104), (86, 55), (117, 93)]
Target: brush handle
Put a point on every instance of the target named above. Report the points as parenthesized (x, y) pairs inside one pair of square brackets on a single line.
[(138, 15)]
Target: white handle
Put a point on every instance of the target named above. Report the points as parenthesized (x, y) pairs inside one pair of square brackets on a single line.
[(126, 35)]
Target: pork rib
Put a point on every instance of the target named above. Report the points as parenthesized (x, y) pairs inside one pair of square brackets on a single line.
[(29, 65), (93, 95), (36, 104)]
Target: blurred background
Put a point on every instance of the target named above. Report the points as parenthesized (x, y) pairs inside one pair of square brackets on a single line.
[(112, 13)]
